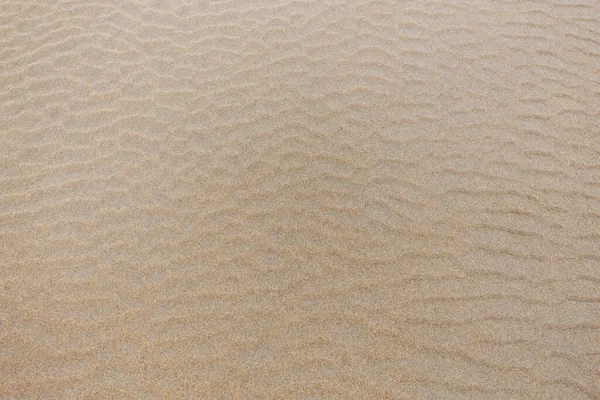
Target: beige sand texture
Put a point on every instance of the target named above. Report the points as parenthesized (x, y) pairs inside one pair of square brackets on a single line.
[(300, 199)]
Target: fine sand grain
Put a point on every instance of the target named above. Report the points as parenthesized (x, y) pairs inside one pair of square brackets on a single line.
[(259, 199)]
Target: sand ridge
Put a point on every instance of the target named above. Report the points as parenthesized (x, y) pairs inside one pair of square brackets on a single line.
[(300, 199)]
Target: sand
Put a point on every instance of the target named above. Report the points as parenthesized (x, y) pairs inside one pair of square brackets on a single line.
[(300, 199)]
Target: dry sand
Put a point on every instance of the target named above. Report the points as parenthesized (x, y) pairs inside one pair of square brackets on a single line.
[(300, 199)]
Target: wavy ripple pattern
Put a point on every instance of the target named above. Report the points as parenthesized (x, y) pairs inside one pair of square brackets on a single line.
[(362, 199)]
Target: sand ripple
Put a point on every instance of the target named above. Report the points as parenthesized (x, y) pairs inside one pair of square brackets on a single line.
[(300, 199)]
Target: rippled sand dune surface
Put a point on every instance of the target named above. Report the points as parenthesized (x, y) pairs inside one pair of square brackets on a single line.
[(300, 199)]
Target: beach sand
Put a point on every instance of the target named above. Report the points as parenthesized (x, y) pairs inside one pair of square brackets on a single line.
[(260, 199)]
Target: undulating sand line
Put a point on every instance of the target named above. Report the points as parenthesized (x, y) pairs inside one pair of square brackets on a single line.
[(315, 199)]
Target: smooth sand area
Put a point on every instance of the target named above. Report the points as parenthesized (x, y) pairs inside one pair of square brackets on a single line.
[(260, 199)]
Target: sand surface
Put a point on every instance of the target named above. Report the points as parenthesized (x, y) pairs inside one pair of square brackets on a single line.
[(253, 199)]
